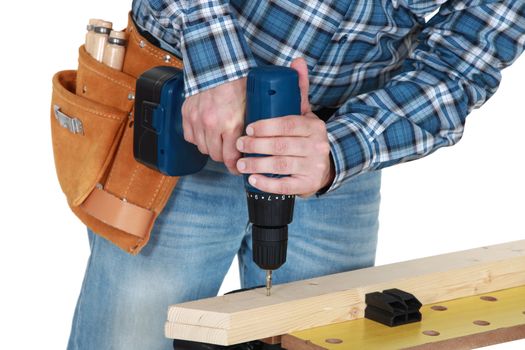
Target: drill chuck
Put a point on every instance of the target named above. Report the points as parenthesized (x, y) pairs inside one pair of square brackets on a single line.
[(265, 209), (270, 215), (269, 246)]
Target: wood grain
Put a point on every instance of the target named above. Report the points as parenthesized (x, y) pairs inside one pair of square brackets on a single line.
[(251, 315)]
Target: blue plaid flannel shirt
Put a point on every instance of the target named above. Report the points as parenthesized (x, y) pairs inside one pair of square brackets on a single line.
[(402, 86)]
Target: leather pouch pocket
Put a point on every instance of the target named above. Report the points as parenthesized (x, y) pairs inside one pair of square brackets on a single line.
[(92, 133), (85, 135), (126, 178)]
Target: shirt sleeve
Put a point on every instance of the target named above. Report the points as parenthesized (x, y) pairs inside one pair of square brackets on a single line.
[(455, 67), (213, 46)]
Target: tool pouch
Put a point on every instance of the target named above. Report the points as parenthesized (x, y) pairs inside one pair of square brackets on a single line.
[(92, 133)]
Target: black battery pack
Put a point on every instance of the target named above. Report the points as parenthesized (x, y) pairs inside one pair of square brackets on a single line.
[(158, 136)]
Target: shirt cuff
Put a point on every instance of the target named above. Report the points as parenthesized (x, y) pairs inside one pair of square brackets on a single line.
[(214, 52), (351, 151)]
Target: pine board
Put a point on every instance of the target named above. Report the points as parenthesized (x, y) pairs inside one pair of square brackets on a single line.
[(300, 305)]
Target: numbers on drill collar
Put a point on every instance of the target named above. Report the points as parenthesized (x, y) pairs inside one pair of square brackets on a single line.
[(271, 197)]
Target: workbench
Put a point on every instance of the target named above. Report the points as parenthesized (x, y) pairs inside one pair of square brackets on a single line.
[(463, 323), (470, 299)]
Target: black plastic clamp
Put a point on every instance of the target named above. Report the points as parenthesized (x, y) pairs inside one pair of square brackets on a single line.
[(392, 307)]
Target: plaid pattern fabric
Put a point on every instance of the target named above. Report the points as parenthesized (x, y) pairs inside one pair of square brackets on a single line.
[(402, 86)]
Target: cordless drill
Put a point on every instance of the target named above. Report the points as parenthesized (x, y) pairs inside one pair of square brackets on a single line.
[(271, 92), (158, 142)]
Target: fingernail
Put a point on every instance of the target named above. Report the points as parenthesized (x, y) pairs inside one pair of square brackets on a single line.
[(252, 180), (240, 145), (241, 165), (249, 131)]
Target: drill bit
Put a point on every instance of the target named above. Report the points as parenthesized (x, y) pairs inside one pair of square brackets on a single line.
[(268, 282)]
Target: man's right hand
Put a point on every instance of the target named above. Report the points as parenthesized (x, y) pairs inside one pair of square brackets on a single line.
[(213, 121)]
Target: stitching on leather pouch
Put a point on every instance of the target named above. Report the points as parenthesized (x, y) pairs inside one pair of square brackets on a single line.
[(155, 53), (150, 51), (168, 182), (156, 191), (88, 67), (131, 180), (165, 186), (68, 101)]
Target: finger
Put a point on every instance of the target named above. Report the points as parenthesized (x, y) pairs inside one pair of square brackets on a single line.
[(214, 145), (186, 125), (200, 140), (285, 185), (299, 64), (290, 125), (188, 131), (287, 146), (272, 165), (230, 154), (306, 195)]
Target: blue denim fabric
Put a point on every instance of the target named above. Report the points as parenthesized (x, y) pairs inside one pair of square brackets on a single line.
[(124, 298)]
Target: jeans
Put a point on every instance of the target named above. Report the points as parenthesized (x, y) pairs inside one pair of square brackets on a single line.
[(124, 299)]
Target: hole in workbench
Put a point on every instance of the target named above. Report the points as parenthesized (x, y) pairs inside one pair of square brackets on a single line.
[(431, 333), (481, 323), (439, 308), (488, 298), (333, 341)]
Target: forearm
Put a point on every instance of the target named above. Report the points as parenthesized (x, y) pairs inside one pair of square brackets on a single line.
[(213, 46), (455, 68), (205, 33)]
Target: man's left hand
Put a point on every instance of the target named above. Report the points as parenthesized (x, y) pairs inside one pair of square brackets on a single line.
[(296, 145)]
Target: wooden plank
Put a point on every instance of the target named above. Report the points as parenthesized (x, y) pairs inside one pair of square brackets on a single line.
[(272, 340), (251, 315), (464, 323)]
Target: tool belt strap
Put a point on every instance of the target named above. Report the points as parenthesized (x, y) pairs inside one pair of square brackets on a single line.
[(118, 213)]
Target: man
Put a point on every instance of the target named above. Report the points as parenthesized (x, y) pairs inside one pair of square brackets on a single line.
[(399, 89)]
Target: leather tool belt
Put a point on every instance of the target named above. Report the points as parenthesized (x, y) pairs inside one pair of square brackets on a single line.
[(92, 133)]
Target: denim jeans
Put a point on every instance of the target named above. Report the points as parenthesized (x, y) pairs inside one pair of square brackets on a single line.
[(124, 299)]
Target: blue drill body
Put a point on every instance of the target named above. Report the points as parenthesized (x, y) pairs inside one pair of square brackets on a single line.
[(271, 91), (159, 143)]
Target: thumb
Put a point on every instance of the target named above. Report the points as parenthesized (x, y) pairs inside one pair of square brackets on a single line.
[(299, 64)]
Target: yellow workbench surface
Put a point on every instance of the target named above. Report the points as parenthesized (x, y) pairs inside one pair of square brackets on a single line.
[(464, 323)]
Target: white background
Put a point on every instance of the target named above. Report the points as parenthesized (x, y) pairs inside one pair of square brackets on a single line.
[(462, 197)]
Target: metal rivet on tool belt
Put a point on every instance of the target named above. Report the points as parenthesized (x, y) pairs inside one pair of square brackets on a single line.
[(167, 58), (84, 89), (131, 96), (142, 44), (99, 186)]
